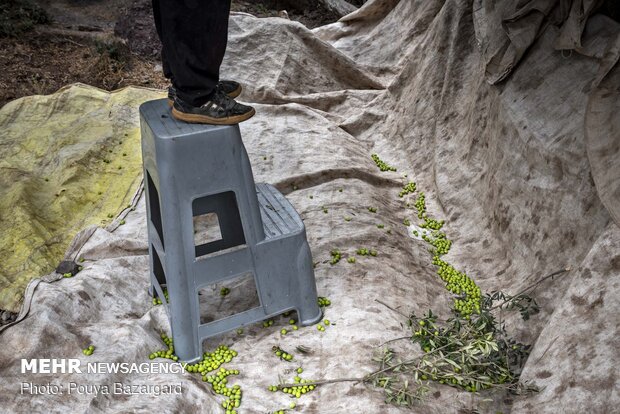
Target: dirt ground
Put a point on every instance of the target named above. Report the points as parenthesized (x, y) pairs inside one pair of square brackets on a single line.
[(105, 43)]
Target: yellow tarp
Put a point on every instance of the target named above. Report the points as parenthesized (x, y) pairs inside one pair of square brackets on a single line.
[(67, 161)]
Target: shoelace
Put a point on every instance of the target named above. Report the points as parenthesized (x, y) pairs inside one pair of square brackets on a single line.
[(220, 102)]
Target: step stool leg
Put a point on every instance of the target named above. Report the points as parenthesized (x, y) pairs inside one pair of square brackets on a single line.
[(308, 309), (184, 324), (183, 307)]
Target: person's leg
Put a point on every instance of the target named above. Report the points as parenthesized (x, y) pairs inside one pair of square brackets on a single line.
[(229, 87), (194, 35), (157, 18)]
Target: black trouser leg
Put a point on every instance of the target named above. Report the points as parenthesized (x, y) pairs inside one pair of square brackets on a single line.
[(193, 34), (164, 61)]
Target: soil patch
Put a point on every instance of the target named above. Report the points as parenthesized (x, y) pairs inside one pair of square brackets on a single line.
[(40, 63), (105, 43)]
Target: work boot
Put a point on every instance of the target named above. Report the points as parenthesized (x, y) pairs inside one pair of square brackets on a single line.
[(229, 87), (220, 109)]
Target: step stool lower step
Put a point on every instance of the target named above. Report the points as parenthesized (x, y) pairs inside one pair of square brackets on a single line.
[(278, 214)]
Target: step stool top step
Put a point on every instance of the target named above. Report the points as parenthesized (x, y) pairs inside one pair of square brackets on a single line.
[(158, 116)]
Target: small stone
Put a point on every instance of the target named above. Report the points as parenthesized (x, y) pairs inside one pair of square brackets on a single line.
[(5, 317), (68, 266)]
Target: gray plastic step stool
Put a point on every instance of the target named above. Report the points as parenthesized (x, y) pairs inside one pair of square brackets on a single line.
[(191, 170)]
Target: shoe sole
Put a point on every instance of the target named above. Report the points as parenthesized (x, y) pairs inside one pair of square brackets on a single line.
[(231, 95), (204, 119)]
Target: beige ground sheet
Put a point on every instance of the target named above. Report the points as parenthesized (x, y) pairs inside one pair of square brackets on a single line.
[(505, 116)]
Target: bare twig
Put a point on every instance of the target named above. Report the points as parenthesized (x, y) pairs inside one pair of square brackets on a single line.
[(323, 381), (368, 377), (74, 42), (393, 340), (549, 346), (407, 362), (391, 308), (533, 285)]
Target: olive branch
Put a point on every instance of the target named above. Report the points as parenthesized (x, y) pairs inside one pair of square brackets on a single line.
[(472, 354)]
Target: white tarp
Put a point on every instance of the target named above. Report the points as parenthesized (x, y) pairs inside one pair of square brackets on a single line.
[(524, 172)]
